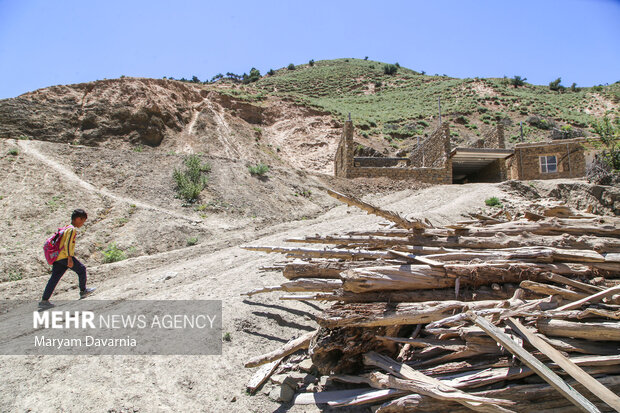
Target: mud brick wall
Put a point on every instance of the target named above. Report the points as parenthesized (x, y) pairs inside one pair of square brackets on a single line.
[(571, 162), (438, 144), (380, 162), (434, 150), (343, 161), (427, 175), (492, 138)]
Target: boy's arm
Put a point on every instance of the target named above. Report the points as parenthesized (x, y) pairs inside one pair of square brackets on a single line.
[(70, 247)]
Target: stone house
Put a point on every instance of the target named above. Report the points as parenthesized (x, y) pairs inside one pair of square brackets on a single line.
[(564, 158)]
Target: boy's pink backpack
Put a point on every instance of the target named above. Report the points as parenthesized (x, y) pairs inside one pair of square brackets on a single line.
[(52, 247)]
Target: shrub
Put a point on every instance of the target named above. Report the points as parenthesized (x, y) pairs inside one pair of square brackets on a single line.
[(608, 132), (113, 254), (311, 62), (192, 241), (517, 81), (13, 152), (253, 77), (493, 201), (291, 66), (390, 69), (14, 275), (555, 85), (191, 181), (259, 169), (271, 72)]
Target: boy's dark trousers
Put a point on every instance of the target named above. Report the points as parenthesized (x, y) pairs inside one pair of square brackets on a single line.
[(58, 269)]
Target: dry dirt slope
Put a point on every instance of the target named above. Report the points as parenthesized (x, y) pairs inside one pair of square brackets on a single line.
[(217, 269)]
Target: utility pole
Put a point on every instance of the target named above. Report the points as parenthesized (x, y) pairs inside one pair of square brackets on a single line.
[(439, 102)]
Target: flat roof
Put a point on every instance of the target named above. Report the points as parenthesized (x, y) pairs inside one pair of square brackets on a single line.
[(469, 160)]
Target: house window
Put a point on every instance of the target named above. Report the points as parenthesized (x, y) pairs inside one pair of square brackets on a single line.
[(548, 164)]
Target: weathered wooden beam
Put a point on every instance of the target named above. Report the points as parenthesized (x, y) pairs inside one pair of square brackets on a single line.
[(530, 398), (262, 375), (594, 298), (417, 382), (503, 292), (390, 216), (569, 367), (392, 314), (532, 362), (290, 347), (339, 398), (301, 285), (316, 253), (596, 331), (573, 283), (546, 289)]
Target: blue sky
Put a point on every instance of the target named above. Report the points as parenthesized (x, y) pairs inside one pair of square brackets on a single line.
[(45, 42)]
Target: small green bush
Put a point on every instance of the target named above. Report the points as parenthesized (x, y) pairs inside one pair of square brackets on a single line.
[(291, 66), (259, 169), (113, 254), (518, 81), (311, 62), (493, 201), (191, 181), (192, 241), (14, 275), (13, 152), (390, 69)]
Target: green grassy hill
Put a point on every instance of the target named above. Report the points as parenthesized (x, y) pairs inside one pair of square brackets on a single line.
[(392, 109)]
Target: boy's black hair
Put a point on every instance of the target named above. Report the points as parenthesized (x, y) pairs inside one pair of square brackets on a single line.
[(78, 213)]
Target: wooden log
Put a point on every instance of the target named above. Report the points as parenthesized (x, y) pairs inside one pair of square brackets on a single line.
[(301, 284), (390, 314), (417, 382), (404, 277), (262, 375), (569, 367), (334, 253), (594, 298), (547, 227), (499, 241), (531, 398), (545, 289), (320, 269), (573, 283), (290, 347), (601, 331), (591, 347), (370, 241), (390, 216), (480, 378), (338, 398), (417, 277), (532, 362), (505, 291)]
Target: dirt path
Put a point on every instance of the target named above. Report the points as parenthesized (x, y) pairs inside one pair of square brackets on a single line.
[(29, 147)]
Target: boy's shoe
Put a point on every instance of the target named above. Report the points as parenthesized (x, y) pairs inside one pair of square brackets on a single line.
[(87, 292), (45, 304)]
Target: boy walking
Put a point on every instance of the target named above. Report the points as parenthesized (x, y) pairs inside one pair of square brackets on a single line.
[(67, 260)]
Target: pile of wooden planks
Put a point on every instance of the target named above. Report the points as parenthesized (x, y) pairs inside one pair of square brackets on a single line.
[(497, 313)]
